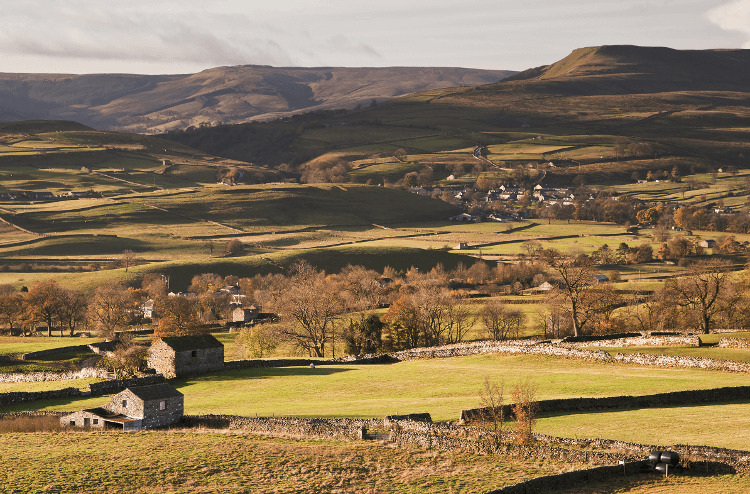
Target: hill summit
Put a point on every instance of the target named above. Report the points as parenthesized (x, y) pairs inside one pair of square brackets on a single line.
[(623, 69)]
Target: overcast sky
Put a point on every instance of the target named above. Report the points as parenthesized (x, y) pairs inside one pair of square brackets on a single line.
[(185, 36)]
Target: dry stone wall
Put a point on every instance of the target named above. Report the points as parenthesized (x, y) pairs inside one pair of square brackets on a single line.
[(95, 389), (734, 343), (658, 400), (286, 426), (85, 373)]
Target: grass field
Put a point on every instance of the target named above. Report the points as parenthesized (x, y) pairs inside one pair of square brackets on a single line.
[(721, 425), (674, 484), (442, 387), (209, 462)]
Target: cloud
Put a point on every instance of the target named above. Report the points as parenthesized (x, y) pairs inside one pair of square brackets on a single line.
[(342, 43), (734, 16), (79, 30)]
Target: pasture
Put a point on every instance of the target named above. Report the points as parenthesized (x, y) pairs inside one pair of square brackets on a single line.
[(202, 461)]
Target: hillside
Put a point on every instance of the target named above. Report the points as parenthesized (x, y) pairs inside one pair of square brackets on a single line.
[(155, 103), (587, 114)]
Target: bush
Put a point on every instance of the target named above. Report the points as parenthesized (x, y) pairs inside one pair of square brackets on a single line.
[(235, 246)]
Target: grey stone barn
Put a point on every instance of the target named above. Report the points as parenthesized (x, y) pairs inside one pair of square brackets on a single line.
[(174, 356), (136, 408)]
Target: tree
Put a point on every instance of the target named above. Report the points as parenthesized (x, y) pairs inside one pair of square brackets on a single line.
[(112, 308), (177, 317), (500, 322), (155, 285), (257, 341), (11, 306), (525, 409), (235, 246), (309, 309), (702, 293), (404, 326), (491, 401), (205, 282), (576, 274), (363, 336), (128, 258), (44, 303), (73, 308)]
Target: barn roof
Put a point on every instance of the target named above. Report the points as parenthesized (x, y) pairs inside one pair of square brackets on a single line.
[(192, 342), (155, 392)]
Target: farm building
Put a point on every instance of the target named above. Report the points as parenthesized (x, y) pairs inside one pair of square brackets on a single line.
[(178, 355), (136, 408), (243, 315), (707, 244)]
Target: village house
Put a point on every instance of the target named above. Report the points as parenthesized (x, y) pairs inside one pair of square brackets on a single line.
[(245, 315), (135, 408), (175, 356)]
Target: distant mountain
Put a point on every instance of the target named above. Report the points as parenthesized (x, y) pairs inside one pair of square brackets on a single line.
[(626, 69), (155, 103)]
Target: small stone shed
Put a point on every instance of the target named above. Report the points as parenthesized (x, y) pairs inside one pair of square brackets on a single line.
[(174, 356), (136, 408)]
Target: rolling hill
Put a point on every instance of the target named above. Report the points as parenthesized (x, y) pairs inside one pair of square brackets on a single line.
[(690, 108), (154, 103)]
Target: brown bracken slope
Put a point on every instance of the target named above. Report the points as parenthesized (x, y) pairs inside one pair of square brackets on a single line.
[(155, 103)]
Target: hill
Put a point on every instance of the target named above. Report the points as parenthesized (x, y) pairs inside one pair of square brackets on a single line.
[(603, 113), (154, 103)]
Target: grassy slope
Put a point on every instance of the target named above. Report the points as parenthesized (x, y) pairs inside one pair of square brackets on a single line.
[(207, 462)]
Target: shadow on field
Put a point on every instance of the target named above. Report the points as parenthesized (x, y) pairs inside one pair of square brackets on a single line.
[(259, 373), (629, 409)]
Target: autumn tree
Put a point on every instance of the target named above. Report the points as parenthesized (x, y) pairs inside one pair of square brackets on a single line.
[(204, 282), (73, 310), (112, 308), (44, 303), (235, 246), (11, 306), (257, 341), (177, 317)]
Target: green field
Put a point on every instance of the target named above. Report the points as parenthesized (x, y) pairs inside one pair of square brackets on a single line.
[(442, 387)]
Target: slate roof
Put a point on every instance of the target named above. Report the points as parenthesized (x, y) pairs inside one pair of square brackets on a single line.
[(155, 392), (192, 342)]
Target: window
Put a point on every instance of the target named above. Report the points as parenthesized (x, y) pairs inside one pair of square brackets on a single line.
[(124, 403), (194, 353), (72, 422), (96, 421), (162, 405)]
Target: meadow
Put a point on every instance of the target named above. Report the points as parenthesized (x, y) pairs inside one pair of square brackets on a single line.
[(203, 461)]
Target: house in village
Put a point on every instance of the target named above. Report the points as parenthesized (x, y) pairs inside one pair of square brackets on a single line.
[(245, 314), (135, 408), (179, 355)]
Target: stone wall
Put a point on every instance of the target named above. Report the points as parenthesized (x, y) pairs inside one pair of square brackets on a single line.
[(88, 372), (54, 351), (680, 340), (622, 402), (734, 343), (529, 347), (286, 426), (95, 389)]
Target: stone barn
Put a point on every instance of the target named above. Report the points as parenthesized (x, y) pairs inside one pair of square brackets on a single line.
[(174, 356), (136, 408)]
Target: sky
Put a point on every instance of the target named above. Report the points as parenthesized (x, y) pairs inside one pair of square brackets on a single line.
[(186, 36)]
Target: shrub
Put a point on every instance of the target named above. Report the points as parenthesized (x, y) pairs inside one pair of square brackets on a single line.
[(525, 409)]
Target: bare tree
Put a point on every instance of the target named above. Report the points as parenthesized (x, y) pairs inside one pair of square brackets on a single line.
[(576, 274), (500, 321), (525, 409), (491, 400), (702, 293), (309, 308)]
